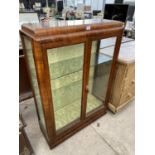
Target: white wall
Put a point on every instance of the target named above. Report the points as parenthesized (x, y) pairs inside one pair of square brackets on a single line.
[(110, 1), (94, 5), (98, 4)]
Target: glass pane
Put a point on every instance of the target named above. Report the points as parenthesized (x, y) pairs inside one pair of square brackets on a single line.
[(66, 69), (99, 71), (34, 81), (88, 2)]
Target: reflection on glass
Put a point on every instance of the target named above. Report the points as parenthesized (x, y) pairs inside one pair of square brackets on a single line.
[(32, 70), (66, 69), (99, 71)]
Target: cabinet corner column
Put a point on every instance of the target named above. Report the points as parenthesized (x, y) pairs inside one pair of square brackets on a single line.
[(45, 90)]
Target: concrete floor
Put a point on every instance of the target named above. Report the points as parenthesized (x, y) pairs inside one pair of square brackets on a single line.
[(114, 135)]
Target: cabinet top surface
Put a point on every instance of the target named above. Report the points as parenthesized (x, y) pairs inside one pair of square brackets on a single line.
[(66, 26)]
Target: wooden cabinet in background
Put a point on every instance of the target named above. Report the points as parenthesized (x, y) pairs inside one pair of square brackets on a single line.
[(123, 90), (124, 86), (25, 90)]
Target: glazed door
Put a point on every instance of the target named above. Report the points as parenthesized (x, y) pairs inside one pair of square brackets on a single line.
[(100, 62), (66, 73)]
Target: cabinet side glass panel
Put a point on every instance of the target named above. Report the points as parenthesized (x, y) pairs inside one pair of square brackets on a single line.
[(32, 71), (66, 72), (99, 71)]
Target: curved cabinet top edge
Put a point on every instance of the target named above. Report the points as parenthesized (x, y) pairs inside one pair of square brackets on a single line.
[(53, 28)]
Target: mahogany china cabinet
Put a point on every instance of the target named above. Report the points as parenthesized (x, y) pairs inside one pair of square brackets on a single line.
[(71, 80)]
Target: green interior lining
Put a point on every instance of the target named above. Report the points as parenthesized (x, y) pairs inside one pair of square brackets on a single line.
[(72, 111), (66, 73)]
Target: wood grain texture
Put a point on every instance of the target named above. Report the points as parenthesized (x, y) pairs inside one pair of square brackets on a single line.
[(44, 90), (50, 35), (123, 89)]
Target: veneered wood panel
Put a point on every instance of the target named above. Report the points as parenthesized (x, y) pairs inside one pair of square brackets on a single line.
[(57, 34)]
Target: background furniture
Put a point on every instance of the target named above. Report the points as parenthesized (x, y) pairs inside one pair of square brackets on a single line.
[(60, 6), (123, 90), (129, 30), (66, 70), (96, 12), (30, 3), (25, 147), (25, 90), (116, 12)]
